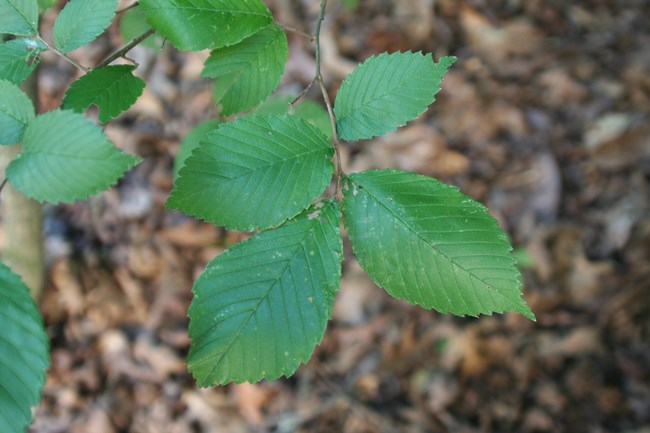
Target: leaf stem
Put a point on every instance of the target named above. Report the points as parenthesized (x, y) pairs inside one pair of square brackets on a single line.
[(124, 9), (303, 93), (64, 56), (295, 30), (4, 182), (125, 49), (328, 103)]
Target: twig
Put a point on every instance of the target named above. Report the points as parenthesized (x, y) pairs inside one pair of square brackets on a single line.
[(4, 182), (296, 31), (335, 139), (124, 9), (328, 102), (126, 48), (380, 420), (65, 56), (303, 93)]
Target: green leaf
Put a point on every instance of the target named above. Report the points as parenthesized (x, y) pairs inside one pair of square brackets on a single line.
[(16, 112), (44, 5), (191, 142), (387, 91), (133, 23), (250, 70), (113, 89), (81, 21), (65, 158), (255, 172), (276, 104), (18, 59), (314, 114), (23, 353), (425, 242), (305, 109), (193, 25), (351, 4), (260, 308), (19, 17)]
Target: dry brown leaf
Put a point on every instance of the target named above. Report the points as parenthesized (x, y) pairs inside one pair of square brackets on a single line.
[(251, 400), (190, 234), (496, 42), (69, 287)]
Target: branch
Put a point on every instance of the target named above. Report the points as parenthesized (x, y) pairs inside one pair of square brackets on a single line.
[(328, 102), (65, 56), (125, 49), (131, 6), (295, 30), (4, 182)]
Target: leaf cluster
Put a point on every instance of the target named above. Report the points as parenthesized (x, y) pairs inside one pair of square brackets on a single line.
[(269, 164), (261, 307)]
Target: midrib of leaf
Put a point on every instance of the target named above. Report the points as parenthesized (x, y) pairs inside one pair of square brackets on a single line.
[(370, 101), (59, 155), (22, 15), (109, 87), (450, 259), (15, 118), (257, 305), (247, 171), (220, 11)]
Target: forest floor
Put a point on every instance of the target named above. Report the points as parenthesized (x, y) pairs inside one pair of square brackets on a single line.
[(544, 118)]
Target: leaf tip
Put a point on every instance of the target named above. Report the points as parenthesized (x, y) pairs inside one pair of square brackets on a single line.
[(527, 312)]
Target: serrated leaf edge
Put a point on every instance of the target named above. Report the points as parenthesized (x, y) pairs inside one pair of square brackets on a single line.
[(209, 271), (500, 233)]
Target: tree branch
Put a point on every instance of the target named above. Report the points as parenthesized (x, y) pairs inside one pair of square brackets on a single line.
[(124, 9), (4, 182), (125, 49), (295, 30), (328, 103), (65, 56)]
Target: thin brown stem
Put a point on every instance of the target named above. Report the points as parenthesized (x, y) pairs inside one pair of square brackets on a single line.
[(296, 31), (328, 103), (335, 139), (303, 93), (124, 9), (65, 56), (4, 182), (319, 22), (125, 49)]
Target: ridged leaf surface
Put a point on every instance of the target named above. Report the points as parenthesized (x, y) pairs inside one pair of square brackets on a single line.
[(386, 91), (260, 308), (305, 109), (18, 58), (193, 25), (113, 89), (427, 243), (249, 71), (192, 141), (23, 353), (66, 157), (81, 21), (16, 112), (19, 17), (255, 172)]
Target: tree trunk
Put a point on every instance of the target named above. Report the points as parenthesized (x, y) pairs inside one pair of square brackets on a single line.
[(22, 218)]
